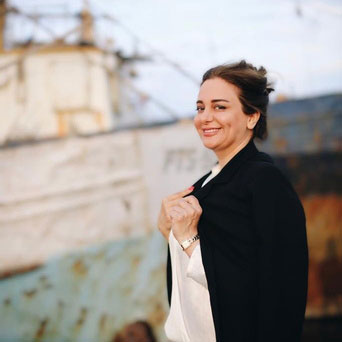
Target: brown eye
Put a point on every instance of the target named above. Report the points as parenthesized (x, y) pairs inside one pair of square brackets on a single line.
[(220, 107), (199, 108)]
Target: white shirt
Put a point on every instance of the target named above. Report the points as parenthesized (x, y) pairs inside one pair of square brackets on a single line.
[(190, 318)]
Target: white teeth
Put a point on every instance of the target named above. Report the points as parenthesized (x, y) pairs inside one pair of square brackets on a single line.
[(211, 130)]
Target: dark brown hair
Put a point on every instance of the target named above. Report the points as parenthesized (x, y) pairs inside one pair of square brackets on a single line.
[(254, 90)]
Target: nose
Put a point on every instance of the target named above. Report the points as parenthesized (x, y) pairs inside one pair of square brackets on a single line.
[(207, 115)]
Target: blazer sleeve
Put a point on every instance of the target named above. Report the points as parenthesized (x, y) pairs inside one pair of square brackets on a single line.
[(281, 256), (169, 275)]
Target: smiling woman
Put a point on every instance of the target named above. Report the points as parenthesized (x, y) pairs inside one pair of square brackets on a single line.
[(220, 122), (232, 107), (238, 258)]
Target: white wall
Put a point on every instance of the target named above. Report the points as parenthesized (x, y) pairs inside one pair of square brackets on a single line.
[(54, 93)]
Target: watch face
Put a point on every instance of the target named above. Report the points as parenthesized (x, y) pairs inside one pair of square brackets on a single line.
[(188, 242)]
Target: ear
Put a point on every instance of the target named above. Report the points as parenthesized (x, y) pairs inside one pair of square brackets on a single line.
[(252, 120)]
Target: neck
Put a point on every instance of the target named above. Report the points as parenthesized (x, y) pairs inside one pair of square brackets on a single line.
[(225, 156)]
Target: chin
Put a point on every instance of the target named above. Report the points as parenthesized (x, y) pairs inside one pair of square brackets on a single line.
[(209, 145)]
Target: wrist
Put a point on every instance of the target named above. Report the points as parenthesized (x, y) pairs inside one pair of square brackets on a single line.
[(186, 243), (189, 250), (184, 236)]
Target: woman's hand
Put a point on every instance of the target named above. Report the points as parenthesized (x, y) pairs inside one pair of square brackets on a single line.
[(164, 219), (184, 218)]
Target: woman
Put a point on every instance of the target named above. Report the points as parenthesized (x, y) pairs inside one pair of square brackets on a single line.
[(238, 258)]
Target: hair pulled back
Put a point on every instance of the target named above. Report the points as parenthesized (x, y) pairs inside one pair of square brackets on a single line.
[(254, 90)]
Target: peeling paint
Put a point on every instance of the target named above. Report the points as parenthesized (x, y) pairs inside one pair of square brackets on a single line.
[(30, 293), (90, 300), (90, 287), (41, 330), (79, 268)]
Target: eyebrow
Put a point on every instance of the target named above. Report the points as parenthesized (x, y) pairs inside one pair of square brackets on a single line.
[(216, 100)]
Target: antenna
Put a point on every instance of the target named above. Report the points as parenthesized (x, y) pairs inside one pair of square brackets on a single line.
[(87, 25), (3, 9)]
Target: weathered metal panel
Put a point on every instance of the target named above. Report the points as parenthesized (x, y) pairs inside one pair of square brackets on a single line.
[(62, 195), (317, 179), (310, 125), (306, 143), (88, 296), (121, 177)]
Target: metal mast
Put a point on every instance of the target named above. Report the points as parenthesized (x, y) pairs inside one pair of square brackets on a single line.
[(3, 9), (87, 25)]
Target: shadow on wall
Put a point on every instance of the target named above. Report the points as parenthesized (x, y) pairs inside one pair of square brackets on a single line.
[(139, 331)]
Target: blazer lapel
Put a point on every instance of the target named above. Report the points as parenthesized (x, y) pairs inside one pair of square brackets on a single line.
[(227, 171)]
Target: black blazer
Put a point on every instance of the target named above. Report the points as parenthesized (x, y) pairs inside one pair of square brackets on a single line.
[(254, 250)]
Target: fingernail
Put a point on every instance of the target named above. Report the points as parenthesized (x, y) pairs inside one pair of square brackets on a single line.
[(191, 188)]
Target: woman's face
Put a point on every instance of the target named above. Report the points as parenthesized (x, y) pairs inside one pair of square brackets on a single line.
[(220, 121)]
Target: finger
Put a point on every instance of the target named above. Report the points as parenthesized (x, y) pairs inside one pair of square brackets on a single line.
[(171, 204), (173, 199), (179, 211), (180, 194), (187, 206), (167, 205), (194, 202), (174, 214), (165, 210)]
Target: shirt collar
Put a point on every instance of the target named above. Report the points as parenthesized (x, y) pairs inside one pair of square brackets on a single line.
[(228, 170)]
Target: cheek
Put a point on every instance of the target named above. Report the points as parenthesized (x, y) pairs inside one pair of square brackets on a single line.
[(225, 121), (233, 122), (197, 122)]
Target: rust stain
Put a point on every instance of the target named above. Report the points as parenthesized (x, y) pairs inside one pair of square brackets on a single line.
[(48, 286), (73, 267), (331, 272), (41, 330), (136, 261), (281, 144), (99, 119), (293, 162), (18, 270), (324, 217), (158, 316), (30, 293), (315, 298), (62, 125), (43, 278), (79, 268), (7, 301), (102, 321), (82, 317), (317, 137), (324, 231)]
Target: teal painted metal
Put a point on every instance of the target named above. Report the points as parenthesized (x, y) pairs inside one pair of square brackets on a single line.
[(87, 296)]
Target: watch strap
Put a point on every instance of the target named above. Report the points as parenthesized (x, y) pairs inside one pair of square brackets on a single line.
[(188, 242)]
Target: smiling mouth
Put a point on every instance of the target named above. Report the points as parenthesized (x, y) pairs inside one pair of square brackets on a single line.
[(210, 131)]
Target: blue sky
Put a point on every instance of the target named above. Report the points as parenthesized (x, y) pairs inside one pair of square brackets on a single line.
[(298, 41)]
